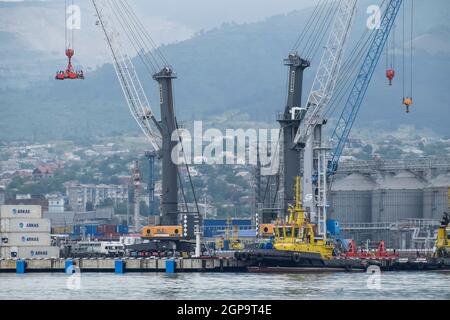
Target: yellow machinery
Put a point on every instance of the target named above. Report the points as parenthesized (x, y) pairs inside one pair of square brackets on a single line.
[(234, 242), (266, 230), (62, 230), (162, 232), (443, 237), (297, 234)]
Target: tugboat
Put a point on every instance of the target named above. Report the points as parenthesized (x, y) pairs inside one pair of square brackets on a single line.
[(295, 246), (442, 248), (297, 234)]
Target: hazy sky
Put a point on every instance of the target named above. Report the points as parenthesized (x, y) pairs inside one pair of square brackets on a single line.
[(205, 14), (199, 14), (167, 21)]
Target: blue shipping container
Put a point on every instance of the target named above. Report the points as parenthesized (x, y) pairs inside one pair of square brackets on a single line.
[(214, 222), (241, 222), (91, 229), (122, 229), (77, 230)]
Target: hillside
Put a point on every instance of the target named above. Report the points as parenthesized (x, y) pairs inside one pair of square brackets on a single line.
[(236, 66)]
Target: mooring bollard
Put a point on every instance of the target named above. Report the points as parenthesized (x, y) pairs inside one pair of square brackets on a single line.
[(170, 266), (119, 266), (20, 266), (68, 267)]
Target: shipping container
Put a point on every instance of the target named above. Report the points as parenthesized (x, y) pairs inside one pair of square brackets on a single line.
[(62, 230), (91, 229), (29, 252), (122, 229), (77, 230), (24, 225), (19, 239), (20, 211), (106, 228)]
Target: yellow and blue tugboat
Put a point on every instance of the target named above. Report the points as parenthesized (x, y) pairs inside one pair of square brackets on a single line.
[(297, 233), (294, 243)]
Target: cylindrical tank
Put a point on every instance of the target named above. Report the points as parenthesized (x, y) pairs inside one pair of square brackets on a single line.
[(435, 197), (398, 197), (351, 199)]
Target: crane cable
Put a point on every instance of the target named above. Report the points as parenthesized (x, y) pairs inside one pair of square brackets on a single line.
[(69, 34), (324, 25), (349, 70), (319, 21), (146, 48), (411, 48), (408, 74), (390, 50), (146, 34), (404, 49), (147, 40), (134, 37), (311, 21)]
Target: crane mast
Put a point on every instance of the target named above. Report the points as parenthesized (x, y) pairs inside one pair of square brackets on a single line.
[(289, 123), (169, 199), (159, 133)]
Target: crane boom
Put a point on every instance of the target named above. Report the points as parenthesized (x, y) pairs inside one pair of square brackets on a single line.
[(130, 83), (359, 89), (328, 71)]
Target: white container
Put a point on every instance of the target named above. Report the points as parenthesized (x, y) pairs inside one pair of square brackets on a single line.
[(24, 225), (20, 211), (19, 239), (29, 252)]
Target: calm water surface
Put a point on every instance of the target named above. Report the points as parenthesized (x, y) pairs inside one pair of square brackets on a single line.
[(153, 286)]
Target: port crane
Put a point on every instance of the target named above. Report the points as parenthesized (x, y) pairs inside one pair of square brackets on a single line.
[(309, 134), (338, 17), (314, 161), (321, 168), (360, 86), (117, 18)]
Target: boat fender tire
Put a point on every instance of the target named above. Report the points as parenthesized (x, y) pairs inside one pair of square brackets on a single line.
[(237, 255), (259, 256), (348, 268), (296, 258), (244, 256)]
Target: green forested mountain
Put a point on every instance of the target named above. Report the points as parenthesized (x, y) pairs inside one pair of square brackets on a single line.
[(236, 66)]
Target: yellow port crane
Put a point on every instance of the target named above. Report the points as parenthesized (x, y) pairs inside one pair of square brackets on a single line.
[(298, 234)]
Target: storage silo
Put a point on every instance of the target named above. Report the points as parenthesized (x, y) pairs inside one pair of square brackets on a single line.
[(435, 197), (351, 199), (398, 197)]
